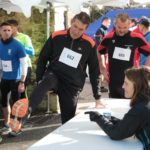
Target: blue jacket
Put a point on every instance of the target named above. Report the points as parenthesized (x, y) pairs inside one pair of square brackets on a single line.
[(142, 56)]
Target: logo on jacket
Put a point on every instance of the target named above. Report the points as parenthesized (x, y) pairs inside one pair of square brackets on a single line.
[(9, 51), (113, 41), (79, 48), (128, 46)]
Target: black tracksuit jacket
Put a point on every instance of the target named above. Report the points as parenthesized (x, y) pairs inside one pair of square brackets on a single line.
[(116, 67), (73, 76)]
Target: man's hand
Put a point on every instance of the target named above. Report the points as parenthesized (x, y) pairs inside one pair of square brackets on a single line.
[(94, 115), (21, 87)]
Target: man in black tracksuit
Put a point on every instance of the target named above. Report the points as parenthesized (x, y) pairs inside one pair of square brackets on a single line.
[(123, 48), (62, 67)]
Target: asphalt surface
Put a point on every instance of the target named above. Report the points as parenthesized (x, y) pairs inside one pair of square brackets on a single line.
[(40, 124)]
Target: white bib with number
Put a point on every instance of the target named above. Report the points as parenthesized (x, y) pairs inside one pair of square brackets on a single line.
[(6, 66), (70, 57), (122, 53)]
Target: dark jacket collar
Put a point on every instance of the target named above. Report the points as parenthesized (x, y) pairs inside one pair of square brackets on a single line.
[(68, 32), (104, 27), (7, 41), (126, 35)]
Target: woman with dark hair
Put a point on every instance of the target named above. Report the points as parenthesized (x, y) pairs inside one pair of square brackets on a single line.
[(137, 120)]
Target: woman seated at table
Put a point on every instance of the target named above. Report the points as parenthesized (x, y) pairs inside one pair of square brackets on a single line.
[(137, 120)]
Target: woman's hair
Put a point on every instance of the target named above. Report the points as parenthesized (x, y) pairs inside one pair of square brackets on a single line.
[(141, 81)]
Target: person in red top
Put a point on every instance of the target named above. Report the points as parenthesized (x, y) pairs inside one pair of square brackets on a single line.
[(123, 48), (143, 29)]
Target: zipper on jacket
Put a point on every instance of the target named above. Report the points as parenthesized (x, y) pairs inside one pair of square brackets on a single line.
[(71, 44)]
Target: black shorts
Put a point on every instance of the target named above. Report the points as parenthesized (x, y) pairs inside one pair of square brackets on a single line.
[(9, 88)]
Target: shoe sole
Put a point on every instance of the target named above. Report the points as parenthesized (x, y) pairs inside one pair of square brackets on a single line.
[(19, 110), (14, 134), (20, 107)]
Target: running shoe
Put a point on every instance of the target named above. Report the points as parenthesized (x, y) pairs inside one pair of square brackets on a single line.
[(19, 110), (5, 129)]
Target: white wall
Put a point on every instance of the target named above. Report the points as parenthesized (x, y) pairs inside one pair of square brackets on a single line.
[(59, 18)]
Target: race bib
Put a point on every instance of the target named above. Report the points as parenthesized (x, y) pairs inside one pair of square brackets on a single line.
[(70, 57), (6, 66), (122, 53)]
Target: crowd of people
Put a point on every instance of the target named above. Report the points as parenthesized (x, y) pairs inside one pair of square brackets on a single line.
[(61, 68)]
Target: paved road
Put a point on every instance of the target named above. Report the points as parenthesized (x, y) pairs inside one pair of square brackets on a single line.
[(41, 124)]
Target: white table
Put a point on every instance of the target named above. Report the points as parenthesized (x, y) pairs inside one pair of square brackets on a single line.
[(82, 134)]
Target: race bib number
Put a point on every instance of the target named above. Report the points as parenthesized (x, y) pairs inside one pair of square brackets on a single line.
[(122, 53), (6, 66), (70, 58)]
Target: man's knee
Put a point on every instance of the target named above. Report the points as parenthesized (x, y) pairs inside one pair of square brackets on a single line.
[(52, 81)]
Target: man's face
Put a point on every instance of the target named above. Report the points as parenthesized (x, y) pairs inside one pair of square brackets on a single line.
[(6, 32), (77, 29), (107, 23), (121, 28), (143, 29), (128, 87), (14, 30)]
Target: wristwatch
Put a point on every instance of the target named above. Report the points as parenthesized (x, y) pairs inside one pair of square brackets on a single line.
[(21, 81)]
